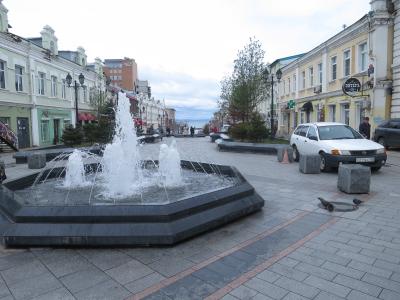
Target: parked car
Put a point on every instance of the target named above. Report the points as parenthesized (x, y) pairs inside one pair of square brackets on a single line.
[(225, 128), (336, 143), (388, 133)]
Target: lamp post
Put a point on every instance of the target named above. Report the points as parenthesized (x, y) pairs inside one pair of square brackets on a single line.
[(76, 86), (269, 78)]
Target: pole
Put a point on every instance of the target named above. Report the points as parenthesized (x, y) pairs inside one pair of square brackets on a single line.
[(76, 104), (272, 107)]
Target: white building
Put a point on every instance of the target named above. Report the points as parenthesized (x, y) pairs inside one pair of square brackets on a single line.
[(151, 112), (35, 100)]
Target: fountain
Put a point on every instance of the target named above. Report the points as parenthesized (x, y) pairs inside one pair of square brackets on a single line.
[(117, 198)]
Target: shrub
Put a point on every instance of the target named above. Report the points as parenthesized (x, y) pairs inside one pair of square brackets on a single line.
[(254, 131), (206, 129), (72, 136)]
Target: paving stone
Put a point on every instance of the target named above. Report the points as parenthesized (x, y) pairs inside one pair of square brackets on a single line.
[(211, 277), (328, 286), (327, 296), (288, 272), (203, 255), (104, 290), (395, 246), (389, 295), (335, 258), (365, 245), (4, 291), (105, 259), (229, 297), (158, 296), (343, 270), (145, 282), (68, 265), (128, 272), (269, 276), (320, 247), (388, 266), (316, 271), (356, 256), (359, 285), (307, 258), (13, 260), (353, 236), (293, 296), (382, 282), (22, 272), (395, 277), (297, 287), (370, 269), (189, 287), (290, 262), (344, 247), (260, 296), (34, 286), (170, 266), (84, 279), (58, 294), (266, 288), (381, 255), (244, 292), (356, 295)]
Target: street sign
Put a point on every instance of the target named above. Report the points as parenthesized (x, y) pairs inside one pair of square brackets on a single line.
[(352, 87)]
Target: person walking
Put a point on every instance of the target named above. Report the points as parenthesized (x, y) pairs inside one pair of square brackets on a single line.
[(191, 131), (365, 128)]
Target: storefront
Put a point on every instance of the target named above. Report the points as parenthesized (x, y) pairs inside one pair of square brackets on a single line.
[(18, 120), (51, 123)]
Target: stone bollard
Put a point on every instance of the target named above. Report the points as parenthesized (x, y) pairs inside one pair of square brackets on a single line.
[(310, 164), (285, 154), (37, 160), (354, 179)]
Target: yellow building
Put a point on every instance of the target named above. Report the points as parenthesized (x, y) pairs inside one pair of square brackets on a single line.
[(311, 87)]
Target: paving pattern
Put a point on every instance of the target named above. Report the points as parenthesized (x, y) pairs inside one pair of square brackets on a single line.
[(290, 250)]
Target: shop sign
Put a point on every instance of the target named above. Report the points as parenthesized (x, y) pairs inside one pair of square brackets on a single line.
[(352, 87)]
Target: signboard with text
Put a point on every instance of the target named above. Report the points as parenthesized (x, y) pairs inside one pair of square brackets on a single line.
[(352, 87)]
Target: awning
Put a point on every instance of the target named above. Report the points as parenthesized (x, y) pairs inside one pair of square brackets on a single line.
[(86, 117), (307, 106)]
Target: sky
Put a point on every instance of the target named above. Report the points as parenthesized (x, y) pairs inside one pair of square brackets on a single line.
[(185, 47)]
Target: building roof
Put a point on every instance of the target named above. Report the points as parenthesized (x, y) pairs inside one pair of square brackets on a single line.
[(36, 40), (292, 57)]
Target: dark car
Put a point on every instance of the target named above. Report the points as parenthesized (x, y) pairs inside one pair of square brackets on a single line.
[(388, 133)]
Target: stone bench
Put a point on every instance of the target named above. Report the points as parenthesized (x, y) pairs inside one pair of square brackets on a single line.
[(354, 179), (310, 164), (37, 161), (281, 153)]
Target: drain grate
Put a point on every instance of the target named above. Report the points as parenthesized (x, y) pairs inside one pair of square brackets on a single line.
[(340, 206)]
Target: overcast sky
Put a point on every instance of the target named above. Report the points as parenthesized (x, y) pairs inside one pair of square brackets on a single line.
[(185, 47)]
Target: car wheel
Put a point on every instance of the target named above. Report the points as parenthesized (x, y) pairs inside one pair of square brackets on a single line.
[(324, 166), (296, 154), (382, 141)]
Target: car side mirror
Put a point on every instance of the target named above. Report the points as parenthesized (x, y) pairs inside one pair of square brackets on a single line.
[(313, 137)]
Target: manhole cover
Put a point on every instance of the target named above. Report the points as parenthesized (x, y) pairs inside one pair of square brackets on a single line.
[(341, 206)]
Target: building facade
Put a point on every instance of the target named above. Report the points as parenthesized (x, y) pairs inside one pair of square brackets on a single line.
[(311, 86), (151, 112), (395, 105), (122, 73), (35, 100)]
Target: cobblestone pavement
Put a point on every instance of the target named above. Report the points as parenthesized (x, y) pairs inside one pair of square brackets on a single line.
[(290, 250)]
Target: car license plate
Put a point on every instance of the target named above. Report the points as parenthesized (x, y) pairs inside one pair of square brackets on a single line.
[(365, 159)]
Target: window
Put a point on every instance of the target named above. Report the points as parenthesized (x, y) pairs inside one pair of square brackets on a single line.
[(333, 68), (346, 63), (332, 113), (294, 84), (84, 94), (64, 89), (289, 90), (303, 79), (362, 57), (18, 78), (303, 131), (312, 132), (345, 115), (320, 73), (284, 87), (53, 86), (45, 130), (2, 74), (67, 122), (311, 76), (41, 83)]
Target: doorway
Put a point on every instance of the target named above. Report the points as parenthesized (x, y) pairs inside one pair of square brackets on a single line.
[(56, 131), (23, 133)]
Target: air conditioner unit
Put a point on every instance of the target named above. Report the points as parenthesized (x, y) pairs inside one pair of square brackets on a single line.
[(318, 89)]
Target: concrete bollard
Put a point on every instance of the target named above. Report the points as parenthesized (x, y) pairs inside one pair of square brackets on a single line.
[(354, 179), (310, 164), (37, 160)]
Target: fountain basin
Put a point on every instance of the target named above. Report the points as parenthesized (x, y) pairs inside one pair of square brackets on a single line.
[(121, 224)]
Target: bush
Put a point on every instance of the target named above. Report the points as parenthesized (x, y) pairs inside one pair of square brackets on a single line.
[(91, 132), (254, 131), (72, 136)]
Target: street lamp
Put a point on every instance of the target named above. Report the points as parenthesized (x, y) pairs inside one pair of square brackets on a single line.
[(269, 78), (76, 86)]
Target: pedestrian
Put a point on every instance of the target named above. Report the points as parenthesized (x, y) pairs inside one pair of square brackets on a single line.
[(365, 128), (191, 131), (168, 131)]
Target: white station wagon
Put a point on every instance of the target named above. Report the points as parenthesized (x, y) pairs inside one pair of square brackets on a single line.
[(336, 143)]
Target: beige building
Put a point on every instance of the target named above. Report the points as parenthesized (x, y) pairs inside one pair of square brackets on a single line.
[(311, 86)]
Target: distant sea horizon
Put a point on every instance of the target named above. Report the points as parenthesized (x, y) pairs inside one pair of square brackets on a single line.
[(198, 123)]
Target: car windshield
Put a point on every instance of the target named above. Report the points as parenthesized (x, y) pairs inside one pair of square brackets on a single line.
[(337, 132)]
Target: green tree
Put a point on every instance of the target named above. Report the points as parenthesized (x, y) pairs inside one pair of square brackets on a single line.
[(72, 136), (243, 91)]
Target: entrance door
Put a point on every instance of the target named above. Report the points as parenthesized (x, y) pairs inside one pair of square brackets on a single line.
[(23, 132), (56, 131)]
